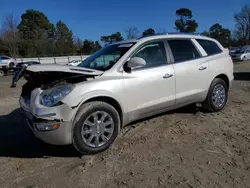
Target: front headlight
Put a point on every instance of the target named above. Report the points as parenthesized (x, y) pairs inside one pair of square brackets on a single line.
[(52, 96)]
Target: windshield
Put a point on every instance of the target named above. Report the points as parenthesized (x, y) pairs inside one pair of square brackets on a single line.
[(106, 57)]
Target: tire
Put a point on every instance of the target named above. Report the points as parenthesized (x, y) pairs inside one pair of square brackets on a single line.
[(11, 65), (244, 58), (209, 104), (2, 73), (85, 113)]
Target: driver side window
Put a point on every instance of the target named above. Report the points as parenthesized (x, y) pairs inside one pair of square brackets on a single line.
[(153, 53), (105, 60)]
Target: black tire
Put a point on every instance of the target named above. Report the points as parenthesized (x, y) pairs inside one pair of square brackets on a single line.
[(11, 65), (2, 73), (208, 104), (85, 111)]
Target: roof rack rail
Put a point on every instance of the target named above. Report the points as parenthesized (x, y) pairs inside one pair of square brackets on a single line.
[(172, 33), (182, 33)]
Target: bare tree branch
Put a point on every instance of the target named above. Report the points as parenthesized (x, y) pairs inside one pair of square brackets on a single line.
[(132, 32), (9, 34), (243, 24)]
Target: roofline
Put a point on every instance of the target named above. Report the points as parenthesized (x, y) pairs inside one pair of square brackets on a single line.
[(172, 33), (165, 36), (123, 42)]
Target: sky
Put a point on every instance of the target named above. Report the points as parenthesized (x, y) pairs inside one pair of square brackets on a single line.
[(95, 18)]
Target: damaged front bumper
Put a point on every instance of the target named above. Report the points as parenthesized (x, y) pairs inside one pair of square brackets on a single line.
[(52, 125), (59, 136)]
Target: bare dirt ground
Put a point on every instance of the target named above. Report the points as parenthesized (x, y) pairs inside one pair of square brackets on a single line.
[(182, 148)]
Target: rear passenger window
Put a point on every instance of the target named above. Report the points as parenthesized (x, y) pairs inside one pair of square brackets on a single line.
[(183, 50), (209, 46)]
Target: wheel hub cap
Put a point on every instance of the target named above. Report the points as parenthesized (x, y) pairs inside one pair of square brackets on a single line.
[(97, 129), (219, 95)]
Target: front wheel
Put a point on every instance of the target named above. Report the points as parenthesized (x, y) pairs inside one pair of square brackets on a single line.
[(2, 73), (11, 65), (217, 96), (95, 128)]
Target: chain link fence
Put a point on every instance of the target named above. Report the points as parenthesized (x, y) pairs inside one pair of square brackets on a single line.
[(53, 60)]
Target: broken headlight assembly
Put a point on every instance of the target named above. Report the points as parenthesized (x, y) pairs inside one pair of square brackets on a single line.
[(53, 96)]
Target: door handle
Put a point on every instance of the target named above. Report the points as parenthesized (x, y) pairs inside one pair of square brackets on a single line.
[(202, 68), (167, 75)]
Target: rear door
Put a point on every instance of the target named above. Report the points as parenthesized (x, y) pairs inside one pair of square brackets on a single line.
[(191, 71)]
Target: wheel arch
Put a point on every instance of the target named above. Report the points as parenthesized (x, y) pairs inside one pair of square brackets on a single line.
[(223, 77), (207, 104), (110, 100), (11, 62)]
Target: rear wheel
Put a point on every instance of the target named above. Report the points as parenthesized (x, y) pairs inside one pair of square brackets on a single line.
[(95, 128), (217, 96)]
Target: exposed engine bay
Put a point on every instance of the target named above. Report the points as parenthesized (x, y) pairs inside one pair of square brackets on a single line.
[(46, 80), (51, 75)]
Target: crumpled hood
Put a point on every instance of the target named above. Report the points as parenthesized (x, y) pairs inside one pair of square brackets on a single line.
[(63, 68), (47, 76)]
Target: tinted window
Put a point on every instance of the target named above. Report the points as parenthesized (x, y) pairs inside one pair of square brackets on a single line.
[(183, 50), (153, 53), (209, 46), (5, 58)]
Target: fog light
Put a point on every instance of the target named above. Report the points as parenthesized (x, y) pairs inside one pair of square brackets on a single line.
[(47, 127)]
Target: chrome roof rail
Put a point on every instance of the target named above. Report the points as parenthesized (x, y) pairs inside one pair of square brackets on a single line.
[(172, 33)]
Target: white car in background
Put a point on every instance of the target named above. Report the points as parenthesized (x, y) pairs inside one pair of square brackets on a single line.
[(74, 62), (7, 62), (242, 54)]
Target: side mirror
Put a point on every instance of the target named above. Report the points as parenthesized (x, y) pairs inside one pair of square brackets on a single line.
[(136, 62), (133, 63)]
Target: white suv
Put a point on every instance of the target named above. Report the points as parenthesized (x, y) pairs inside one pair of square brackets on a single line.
[(87, 105)]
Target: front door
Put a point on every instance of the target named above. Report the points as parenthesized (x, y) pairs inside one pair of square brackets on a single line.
[(150, 89)]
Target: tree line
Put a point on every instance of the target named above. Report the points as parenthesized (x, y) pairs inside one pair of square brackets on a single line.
[(36, 36)]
